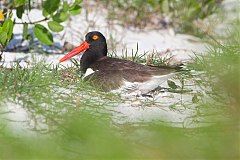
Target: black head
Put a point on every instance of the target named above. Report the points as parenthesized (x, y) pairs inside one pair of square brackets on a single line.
[(96, 50), (95, 47), (97, 42)]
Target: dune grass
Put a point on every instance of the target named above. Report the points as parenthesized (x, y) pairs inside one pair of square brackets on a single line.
[(79, 125), (48, 91)]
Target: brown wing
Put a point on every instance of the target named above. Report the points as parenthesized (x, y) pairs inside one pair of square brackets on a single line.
[(113, 79)]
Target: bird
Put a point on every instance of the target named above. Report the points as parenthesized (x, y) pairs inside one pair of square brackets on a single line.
[(114, 74)]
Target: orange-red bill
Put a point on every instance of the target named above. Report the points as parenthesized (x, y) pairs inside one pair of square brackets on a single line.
[(84, 46)]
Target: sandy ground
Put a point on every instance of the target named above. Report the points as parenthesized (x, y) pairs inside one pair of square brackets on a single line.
[(181, 46)]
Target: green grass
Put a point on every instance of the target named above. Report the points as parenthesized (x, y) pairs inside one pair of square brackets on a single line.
[(49, 90), (222, 71), (153, 58), (83, 136), (79, 125)]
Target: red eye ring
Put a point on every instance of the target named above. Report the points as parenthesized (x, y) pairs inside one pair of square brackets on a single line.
[(95, 37)]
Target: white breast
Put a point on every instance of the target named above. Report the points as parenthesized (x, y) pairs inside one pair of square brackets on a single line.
[(88, 72)]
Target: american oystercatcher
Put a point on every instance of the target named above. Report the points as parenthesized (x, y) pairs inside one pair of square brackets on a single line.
[(113, 74)]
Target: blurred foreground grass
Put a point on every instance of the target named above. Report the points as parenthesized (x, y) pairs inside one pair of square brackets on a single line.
[(84, 136)]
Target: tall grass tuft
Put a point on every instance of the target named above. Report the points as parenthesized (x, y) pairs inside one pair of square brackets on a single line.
[(222, 70)]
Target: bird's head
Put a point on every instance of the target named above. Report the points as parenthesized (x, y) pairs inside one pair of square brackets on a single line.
[(95, 43)]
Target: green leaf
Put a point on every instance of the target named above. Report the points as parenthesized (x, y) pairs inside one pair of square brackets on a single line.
[(172, 84), (65, 6), (8, 28), (45, 13), (25, 31), (51, 6), (18, 3), (20, 11), (3, 38), (55, 26), (42, 34), (60, 16), (76, 9)]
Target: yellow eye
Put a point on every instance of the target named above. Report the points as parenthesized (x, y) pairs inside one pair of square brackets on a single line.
[(95, 37)]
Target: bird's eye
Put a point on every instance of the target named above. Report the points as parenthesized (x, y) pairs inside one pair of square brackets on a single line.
[(95, 37)]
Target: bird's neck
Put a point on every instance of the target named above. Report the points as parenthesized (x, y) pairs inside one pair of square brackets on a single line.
[(89, 57)]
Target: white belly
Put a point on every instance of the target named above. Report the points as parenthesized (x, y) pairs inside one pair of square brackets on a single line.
[(144, 87)]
